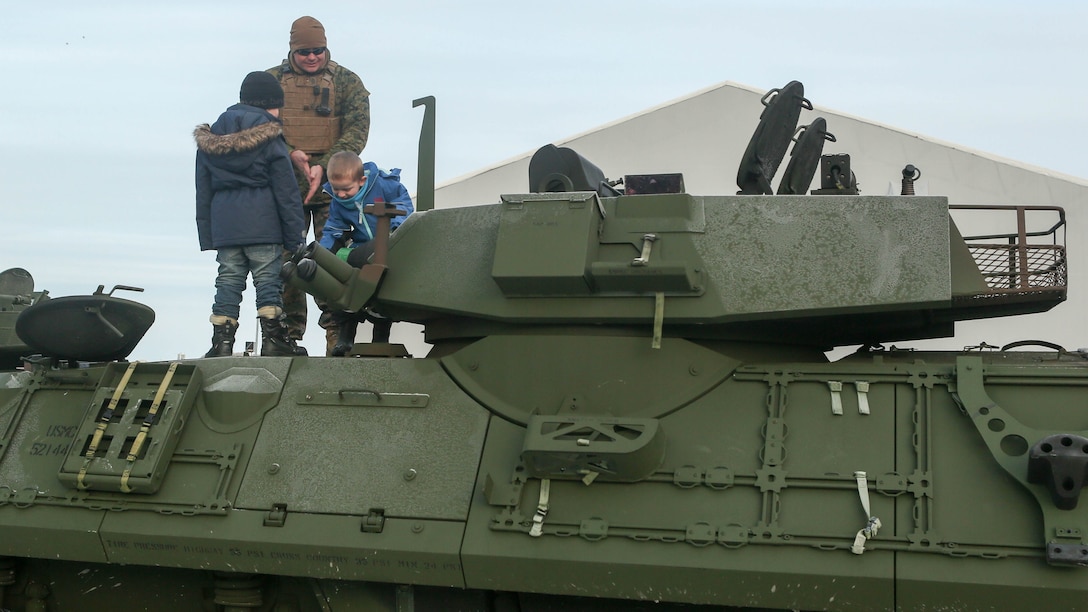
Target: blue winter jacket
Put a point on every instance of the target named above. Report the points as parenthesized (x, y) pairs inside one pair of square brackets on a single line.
[(346, 217), (246, 191)]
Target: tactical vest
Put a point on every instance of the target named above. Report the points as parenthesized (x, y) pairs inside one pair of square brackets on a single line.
[(310, 122)]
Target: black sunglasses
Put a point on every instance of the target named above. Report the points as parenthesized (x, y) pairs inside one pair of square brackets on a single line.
[(305, 52)]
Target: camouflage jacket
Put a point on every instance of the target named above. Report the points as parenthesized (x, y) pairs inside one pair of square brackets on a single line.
[(352, 106)]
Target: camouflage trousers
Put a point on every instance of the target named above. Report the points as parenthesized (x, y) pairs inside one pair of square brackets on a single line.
[(294, 301)]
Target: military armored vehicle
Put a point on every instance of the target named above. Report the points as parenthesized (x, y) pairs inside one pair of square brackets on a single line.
[(628, 405)]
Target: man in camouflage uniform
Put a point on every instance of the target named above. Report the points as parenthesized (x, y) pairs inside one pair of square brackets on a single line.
[(326, 110)]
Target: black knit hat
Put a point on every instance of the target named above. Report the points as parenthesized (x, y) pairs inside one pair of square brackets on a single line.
[(262, 90)]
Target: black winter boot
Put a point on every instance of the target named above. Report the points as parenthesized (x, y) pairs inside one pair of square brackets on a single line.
[(382, 328), (345, 334), (222, 340), (274, 339)]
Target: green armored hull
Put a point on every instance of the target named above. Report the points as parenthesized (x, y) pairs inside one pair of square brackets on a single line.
[(744, 491)]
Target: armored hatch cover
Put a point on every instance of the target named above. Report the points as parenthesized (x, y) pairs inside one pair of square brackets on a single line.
[(96, 327)]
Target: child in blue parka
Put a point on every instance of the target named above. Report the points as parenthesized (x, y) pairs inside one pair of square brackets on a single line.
[(353, 185), (350, 231)]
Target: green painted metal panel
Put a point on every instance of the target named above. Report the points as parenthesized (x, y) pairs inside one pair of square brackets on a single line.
[(747, 256), (320, 546), (545, 244), (356, 451), (47, 532)]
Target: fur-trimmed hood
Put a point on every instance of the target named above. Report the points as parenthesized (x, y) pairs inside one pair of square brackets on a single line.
[(241, 137), (246, 191), (242, 141)]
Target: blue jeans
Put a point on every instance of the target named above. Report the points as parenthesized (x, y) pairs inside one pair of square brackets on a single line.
[(235, 264)]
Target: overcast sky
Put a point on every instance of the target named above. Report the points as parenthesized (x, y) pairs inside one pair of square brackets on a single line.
[(100, 101)]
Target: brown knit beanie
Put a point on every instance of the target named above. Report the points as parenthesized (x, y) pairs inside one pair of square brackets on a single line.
[(307, 33)]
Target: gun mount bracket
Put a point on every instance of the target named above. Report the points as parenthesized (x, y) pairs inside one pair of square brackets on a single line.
[(1053, 470), (1060, 462)]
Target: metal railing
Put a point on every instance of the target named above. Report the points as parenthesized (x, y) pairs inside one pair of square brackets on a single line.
[(1022, 261)]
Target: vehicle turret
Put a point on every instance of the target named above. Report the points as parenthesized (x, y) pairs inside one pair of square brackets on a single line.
[(818, 271)]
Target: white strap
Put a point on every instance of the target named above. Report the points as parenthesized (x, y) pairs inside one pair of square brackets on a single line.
[(863, 396), (872, 526), (541, 508), (836, 396), (659, 318)]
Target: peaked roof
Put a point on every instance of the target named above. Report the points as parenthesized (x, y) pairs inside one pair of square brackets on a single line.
[(704, 134)]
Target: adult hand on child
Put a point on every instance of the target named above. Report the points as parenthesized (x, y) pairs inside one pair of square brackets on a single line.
[(315, 174)]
